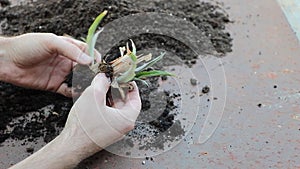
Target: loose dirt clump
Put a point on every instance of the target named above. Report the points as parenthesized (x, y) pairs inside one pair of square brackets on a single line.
[(4, 3)]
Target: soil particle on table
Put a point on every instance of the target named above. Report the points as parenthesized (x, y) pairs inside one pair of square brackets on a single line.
[(259, 105), (28, 114), (4, 3), (205, 89), (193, 82), (30, 149)]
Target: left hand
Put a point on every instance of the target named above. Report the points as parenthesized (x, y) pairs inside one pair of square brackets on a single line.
[(41, 60)]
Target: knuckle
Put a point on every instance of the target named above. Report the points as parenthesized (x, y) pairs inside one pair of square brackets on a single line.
[(50, 39), (51, 36)]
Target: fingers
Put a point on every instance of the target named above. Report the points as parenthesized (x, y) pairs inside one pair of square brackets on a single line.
[(98, 56), (69, 50), (100, 86), (66, 91), (83, 46), (78, 43), (133, 103)]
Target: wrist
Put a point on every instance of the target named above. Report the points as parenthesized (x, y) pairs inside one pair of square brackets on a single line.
[(65, 151), (71, 147), (81, 145), (6, 63)]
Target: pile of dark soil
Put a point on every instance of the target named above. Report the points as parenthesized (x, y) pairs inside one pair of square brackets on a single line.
[(17, 123), (74, 18)]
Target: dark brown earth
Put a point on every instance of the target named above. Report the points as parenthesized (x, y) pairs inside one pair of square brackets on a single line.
[(73, 18), (4, 3)]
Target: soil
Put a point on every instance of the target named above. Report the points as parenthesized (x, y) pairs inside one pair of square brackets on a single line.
[(18, 123), (4, 3), (28, 114)]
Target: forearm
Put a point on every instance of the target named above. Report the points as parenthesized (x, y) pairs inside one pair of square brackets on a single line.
[(61, 153)]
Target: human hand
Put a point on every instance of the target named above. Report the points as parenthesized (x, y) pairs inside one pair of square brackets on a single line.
[(41, 60), (91, 126), (103, 125)]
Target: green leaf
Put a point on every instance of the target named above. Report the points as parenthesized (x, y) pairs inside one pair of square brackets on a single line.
[(152, 73), (141, 80), (131, 54), (128, 75), (91, 32), (83, 39), (133, 57), (94, 40), (150, 63)]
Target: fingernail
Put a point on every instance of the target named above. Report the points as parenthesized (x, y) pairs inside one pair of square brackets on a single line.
[(85, 59)]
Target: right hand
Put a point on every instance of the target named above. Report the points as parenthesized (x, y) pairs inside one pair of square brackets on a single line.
[(98, 123), (91, 126)]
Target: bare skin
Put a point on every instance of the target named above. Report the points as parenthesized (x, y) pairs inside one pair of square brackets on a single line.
[(86, 134), (41, 61)]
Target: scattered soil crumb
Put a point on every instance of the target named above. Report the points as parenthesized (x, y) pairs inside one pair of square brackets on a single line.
[(205, 89), (193, 82)]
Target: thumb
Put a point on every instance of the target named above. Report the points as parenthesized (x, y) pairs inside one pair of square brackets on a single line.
[(100, 85), (70, 51)]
